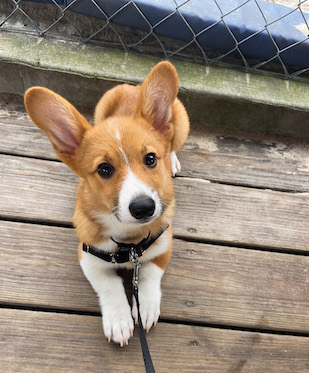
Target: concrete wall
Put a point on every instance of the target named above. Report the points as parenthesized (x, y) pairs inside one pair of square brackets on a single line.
[(214, 96)]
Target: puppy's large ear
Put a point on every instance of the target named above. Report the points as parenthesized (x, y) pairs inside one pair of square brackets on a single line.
[(158, 93), (62, 123)]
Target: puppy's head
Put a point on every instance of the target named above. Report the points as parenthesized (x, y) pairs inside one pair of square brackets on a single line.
[(124, 160)]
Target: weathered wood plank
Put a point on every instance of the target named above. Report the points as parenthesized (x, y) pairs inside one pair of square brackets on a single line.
[(45, 190), (229, 286), (48, 342), (242, 216), (269, 163), (239, 159), (37, 190), (18, 135)]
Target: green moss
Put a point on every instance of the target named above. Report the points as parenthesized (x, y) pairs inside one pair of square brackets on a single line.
[(215, 96)]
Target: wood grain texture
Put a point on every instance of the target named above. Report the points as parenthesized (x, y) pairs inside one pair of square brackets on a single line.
[(47, 342), (36, 189), (241, 216), (240, 159), (19, 136), (203, 283), (45, 191)]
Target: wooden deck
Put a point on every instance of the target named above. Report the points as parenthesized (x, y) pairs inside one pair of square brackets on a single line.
[(235, 295)]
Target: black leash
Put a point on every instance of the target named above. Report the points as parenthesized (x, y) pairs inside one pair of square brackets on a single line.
[(142, 336)]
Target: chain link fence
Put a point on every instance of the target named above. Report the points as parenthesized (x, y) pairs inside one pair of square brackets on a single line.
[(255, 35)]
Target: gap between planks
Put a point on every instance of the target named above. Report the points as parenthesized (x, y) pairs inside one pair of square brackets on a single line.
[(246, 289), (238, 245), (50, 310), (45, 191), (74, 343), (237, 158), (181, 176)]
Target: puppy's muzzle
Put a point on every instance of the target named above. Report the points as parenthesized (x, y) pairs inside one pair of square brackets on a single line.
[(142, 207)]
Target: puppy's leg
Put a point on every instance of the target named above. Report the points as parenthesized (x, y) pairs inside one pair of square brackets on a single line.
[(117, 320), (150, 289), (149, 292), (181, 130), (175, 164)]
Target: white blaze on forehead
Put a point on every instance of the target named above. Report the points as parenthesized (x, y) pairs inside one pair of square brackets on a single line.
[(113, 128), (115, 133), (124, 155), (113, 125), (133, 187), (118, 137)]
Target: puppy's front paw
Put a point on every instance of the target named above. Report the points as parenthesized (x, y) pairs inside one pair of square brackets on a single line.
[(149, 309), (175, 164), (118, 324)]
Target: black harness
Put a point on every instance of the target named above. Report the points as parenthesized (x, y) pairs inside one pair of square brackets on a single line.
[(124, 249), (131, 253)]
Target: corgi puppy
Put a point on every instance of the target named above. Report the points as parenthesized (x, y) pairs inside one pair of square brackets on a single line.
[(125, 164)]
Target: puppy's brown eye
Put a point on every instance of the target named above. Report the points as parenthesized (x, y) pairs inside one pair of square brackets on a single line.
[(150, 160), (105, 170)]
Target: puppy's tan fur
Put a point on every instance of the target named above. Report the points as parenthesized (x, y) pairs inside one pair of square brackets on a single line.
[(129, 122)]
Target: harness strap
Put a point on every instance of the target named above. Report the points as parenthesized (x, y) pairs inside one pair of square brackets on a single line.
[(123, 254)]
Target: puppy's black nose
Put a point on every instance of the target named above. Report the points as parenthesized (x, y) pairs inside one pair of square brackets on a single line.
[(142, 207)]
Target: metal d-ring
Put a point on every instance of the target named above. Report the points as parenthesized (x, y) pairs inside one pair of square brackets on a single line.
[(135, 262)]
